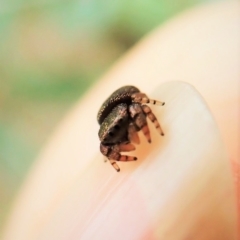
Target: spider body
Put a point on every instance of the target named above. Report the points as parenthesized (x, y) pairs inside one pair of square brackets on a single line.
[(122, 95), (114, 128), (121, 116)]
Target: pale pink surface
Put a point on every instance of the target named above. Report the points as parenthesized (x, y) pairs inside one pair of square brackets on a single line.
[(208, 58)]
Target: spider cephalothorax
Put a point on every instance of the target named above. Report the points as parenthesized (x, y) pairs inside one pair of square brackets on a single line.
[(120, 117)]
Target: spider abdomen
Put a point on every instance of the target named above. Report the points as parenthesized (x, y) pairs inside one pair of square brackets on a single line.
[(122, 95)]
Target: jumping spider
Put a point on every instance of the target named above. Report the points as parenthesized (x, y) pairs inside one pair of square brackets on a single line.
[(120, 117)]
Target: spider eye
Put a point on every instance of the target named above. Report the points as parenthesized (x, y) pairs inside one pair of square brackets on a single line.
[(116, 127), (111, 134)]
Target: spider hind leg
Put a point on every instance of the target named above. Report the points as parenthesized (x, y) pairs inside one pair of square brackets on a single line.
[(143, 98), (147, 110)]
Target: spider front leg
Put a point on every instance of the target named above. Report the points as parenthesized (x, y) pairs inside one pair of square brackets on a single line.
[(143, 98), (112, 152), (139, 119), (133, 133)]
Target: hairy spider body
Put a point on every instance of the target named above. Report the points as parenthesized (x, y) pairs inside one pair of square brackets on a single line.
[(120, 117), (114, 128), (122, 95)]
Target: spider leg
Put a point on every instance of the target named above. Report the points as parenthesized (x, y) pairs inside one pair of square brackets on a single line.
[(153, 118), (143, 98), (139, 119), (113, 153), (126, 147), (132, 133), (114, 164)]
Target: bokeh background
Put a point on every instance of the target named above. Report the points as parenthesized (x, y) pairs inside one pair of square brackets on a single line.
[(51, 52)]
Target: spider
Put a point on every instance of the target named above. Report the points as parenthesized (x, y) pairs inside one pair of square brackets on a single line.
[(121, 116)]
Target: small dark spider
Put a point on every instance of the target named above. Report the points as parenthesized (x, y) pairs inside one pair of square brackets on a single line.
[(120, 117)]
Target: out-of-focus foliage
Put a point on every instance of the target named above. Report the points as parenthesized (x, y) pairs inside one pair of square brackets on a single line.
[(50, 53)]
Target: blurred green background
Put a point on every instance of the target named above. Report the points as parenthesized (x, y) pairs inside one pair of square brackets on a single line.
[(51, 52)]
